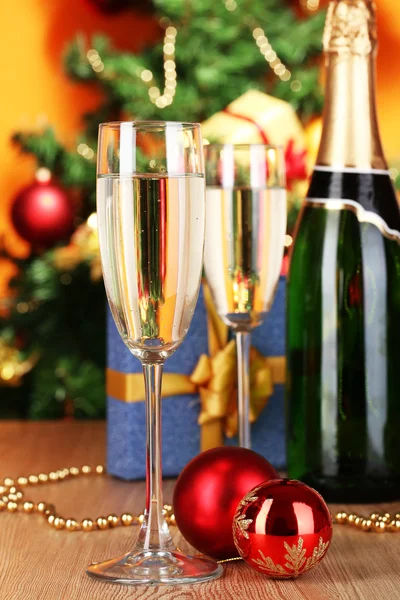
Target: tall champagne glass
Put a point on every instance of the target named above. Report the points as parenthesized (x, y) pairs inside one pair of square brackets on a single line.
[(245, 235), (151, 214)]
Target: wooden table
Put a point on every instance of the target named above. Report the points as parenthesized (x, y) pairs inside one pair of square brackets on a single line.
[(39, 563)]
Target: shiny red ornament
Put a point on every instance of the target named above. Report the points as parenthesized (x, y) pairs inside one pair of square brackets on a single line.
[(42, 214), (208, 491), (282, 528)]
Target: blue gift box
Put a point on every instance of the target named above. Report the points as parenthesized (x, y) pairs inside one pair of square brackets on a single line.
[(181, 432)]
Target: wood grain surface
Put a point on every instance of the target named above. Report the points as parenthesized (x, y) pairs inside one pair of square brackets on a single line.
[(39, 563)]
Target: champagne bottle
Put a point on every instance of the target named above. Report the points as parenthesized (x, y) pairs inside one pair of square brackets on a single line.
[(343, 305)]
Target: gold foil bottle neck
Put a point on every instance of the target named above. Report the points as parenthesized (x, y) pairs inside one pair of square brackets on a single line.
[(350, 135), (350, 27)]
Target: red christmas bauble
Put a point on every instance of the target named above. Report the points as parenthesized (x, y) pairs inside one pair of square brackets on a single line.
[(42, 214), (208, 491), (282, 528)]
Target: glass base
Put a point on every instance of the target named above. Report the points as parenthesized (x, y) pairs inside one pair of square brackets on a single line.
[(156, 567)]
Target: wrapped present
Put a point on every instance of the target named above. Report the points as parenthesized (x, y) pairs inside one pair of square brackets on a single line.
[(256, 118), (199, 405)]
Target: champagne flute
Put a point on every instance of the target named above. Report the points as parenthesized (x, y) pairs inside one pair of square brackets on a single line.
[(151, 214), (245, 235)]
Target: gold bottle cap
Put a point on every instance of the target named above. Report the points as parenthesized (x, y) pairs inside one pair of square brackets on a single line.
[(350, 27)]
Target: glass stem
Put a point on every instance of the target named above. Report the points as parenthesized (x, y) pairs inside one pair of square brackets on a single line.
[(243, 339), (154, 533)]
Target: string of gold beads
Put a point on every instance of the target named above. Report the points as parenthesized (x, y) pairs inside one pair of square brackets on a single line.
[(376, 522), (12, 499)]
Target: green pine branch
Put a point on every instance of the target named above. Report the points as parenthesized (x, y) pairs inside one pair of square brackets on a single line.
[(216, 57), (43, 145), (64, 325)]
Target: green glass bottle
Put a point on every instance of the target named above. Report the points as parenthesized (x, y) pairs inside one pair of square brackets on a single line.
[(343, 295)]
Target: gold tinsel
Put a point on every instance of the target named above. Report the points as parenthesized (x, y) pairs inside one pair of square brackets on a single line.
[(83, 247), (12, 366)]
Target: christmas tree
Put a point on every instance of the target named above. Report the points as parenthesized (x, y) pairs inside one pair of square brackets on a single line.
[(52, 327)]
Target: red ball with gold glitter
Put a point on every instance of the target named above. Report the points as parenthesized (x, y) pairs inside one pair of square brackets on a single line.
[(42, 213), (282, 528), (208, 491)]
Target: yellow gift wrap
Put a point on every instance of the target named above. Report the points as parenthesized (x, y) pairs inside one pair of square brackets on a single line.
[(256, 118)]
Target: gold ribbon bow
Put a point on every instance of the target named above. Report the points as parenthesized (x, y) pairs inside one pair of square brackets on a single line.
[(214, 378)]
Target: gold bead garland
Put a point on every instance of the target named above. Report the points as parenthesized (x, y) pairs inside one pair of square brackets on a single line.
[(12, 499), (376, 522), (161, 100), (95, 60), (166, 98), (310, 5), (270, 55), (85, 151), (264, 46)]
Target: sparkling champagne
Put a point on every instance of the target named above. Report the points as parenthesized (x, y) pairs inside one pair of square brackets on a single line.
[(148, 228), (343, 311), (245, 235)]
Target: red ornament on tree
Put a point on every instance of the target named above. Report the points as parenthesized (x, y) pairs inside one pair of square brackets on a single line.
[(208, 491), (282, 528), (42, 213)]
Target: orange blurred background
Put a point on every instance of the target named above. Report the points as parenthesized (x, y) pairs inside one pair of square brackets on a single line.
[(36, 90)]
